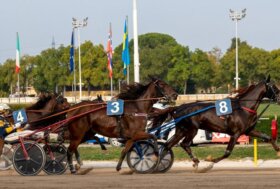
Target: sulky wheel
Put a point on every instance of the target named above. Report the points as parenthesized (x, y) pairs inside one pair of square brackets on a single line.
[(141, 157), (6, 157), (166, 159), (31, 162), (56, 159)]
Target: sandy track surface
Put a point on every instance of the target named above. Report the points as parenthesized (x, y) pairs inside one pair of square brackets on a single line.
[(217, 178)]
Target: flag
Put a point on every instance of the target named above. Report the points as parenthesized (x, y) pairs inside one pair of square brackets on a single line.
[(110, 53), (18, 55), (72, 64), (125, 51)]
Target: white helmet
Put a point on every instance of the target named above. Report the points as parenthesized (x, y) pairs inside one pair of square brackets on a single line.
[(4, 107)]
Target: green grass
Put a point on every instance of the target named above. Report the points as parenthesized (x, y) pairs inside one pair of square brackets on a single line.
[(265, 152), (273, 109)]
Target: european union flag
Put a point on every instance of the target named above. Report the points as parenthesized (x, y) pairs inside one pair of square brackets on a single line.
[(72, 64)]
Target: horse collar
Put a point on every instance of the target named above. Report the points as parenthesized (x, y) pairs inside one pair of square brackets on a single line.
[(249, 110)]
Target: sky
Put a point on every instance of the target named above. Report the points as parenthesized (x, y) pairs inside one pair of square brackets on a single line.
[(202, 24)]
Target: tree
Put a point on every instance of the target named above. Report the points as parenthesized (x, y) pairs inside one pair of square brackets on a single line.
[(202, 71)]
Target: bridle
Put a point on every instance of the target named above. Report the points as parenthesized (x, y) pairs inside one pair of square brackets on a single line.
[(160, 90), (275, 94)]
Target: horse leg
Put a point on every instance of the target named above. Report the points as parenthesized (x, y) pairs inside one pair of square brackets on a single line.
[(186, 145), (73, 148), (138, 136), (127, 147), (144, 136), (261, 135), (70, 161), (99, 142), (230, 146), (78, 158)]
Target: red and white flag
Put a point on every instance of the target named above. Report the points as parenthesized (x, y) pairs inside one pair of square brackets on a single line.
[(110, 53)]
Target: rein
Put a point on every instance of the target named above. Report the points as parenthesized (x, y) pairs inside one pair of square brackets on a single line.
[(86, 105), (65, 111), (38, 111)]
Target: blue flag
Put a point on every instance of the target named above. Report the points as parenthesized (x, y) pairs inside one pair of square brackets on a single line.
[(72, 64), (125, 51)]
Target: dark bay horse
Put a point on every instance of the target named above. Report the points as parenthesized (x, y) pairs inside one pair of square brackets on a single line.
[(242, 120), (130, 126), (47, 104)]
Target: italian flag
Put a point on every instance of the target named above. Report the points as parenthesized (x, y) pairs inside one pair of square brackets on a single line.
[(18, 55)]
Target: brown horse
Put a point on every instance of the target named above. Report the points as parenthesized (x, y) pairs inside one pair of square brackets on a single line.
[(90, 134), (130, 126), (241, 121)]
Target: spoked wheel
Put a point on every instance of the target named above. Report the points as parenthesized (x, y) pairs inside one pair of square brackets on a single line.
[(33, 163), (56, 159), (6, 157), (141, 157), (166, 160)]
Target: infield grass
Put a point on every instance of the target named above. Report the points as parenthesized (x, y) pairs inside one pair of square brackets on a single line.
[(265, 152)]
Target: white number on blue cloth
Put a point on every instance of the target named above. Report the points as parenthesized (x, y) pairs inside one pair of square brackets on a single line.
[(223, 107), (115, 107), (20, 116)]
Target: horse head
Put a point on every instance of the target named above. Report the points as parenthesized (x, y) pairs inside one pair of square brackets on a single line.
[(164, 90), (272, 91), (61, 103)]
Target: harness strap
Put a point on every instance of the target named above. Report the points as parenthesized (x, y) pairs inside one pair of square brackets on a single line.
[(193, 113), (249, 110), (120, 127)]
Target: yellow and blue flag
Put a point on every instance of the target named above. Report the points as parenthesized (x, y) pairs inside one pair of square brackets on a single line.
[(125, 51)]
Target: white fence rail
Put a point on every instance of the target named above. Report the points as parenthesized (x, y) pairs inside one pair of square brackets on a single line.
[(181, 98)]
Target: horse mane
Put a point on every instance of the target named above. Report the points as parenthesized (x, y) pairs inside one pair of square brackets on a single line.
[(43, 99), (242, 91), (132, 91)]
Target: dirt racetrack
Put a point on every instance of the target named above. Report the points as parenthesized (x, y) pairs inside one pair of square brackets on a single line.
[(217, 178)]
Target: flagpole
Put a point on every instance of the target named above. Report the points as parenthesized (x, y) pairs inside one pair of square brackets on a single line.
[(127, 77), (75, 91), (18, 88), (136, 53), (111, 87), (77, 24)]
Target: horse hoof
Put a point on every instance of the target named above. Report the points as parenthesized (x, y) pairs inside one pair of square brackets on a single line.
[(73, 172), (209, 158), (205, 169), (195, 167), (86, 171), (128, 172), (77, 166)]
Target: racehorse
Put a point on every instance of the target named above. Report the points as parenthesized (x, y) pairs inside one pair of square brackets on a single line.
[(241, 121), (130, 126), (90, 134), (47, 104)]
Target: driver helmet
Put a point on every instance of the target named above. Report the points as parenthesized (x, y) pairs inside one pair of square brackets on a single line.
[(4, 108)]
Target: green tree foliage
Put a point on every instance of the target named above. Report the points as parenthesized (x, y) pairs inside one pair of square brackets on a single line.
[(160, 56)]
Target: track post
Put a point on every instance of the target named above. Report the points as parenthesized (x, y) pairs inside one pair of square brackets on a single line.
[(255, 152)]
